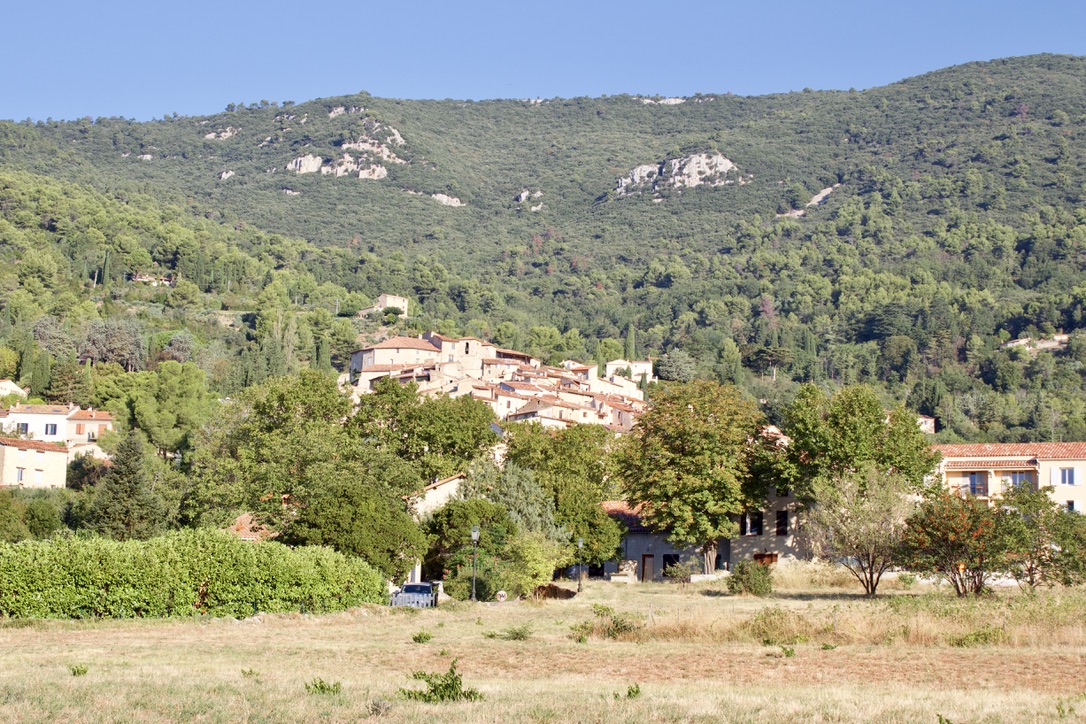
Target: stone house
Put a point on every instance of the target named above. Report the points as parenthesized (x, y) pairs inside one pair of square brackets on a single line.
[(32, 464)]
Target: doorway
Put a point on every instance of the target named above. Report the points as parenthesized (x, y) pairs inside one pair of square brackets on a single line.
[(648, 567)]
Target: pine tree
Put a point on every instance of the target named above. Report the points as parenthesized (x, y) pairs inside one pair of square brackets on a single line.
[(125, 506), (69, 383)]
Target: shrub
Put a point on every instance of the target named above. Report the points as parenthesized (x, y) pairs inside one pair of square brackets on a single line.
[(775, 626), (441, 687), (682, 571), (513, 633), (184, 573), (78, 669), (320, 686), (422, 637), (608, 624), (750, 577)]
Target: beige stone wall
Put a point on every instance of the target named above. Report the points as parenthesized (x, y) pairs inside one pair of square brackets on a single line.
[(81, 432), (785, 546), (39, 469), (1046, 473)]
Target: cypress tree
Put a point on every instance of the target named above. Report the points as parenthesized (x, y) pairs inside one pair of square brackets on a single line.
[(631, 343), (41, 372), (125, 507)]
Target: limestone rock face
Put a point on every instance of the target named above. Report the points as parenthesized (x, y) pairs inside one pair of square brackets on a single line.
[(306, 164), (225, 175), (223, 134), (699, 169), (376, 171), (447, 200)]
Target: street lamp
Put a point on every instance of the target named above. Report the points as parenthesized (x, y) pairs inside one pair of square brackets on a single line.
[(580, 564), (474, 555)]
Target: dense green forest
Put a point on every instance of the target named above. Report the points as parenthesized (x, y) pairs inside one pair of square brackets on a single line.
[(955, 223)]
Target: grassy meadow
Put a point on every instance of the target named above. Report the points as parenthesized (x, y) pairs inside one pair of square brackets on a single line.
[(814, 651)]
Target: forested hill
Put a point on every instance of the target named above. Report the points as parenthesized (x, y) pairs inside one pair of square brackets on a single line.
[(950, 221)]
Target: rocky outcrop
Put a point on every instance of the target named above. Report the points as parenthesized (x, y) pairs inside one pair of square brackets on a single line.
[(376, 172), (306, 164), (225, 175), (374, 149), (447, 200), (662, 101), (223, 134), (699, 169), (340, 167)]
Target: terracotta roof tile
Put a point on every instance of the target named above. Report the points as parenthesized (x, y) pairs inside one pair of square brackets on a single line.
[(1040, 450), (403, 343), (33, 445), (42, 409), (629, 515), (1004, 464), (91, 415)]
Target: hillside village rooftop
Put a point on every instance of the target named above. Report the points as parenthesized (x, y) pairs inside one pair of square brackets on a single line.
[(516, 385)]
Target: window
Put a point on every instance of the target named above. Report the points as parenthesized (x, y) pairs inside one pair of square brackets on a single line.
[(784, 492), (1018, 480), (1071, 505), (51, 428), (782, 522), (467, 347), (20, 473), (978, 483), (670, 559), (750, 523), (23, 427), (79, 428), (1067, 476)]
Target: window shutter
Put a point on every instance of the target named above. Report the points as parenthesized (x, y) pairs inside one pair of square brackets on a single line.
[(1055, 477)]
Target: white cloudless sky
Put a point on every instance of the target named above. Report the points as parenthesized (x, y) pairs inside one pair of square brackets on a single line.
[(142, 60)]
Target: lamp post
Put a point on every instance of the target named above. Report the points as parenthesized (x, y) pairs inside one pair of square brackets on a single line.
[(474, 555), (580, 564)]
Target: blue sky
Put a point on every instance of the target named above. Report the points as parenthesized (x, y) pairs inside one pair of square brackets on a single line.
[(142, 60)]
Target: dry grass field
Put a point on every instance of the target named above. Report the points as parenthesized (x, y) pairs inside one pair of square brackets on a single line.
[(815, 651)]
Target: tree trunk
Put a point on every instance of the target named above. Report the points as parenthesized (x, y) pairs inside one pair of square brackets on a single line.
[(708, 552)]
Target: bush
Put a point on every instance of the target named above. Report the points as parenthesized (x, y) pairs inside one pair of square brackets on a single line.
[(320, 686), (774, 626), (750, 577), (608, 624), (441, 687), (184, 573)]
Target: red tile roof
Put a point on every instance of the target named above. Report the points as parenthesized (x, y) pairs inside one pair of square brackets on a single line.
[(91, 415), (403, 343), (1003, 464), (629, 515), (41, 409), (33, 445), (1040, 450)]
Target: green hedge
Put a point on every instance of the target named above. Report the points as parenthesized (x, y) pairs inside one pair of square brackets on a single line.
[(179, 574)]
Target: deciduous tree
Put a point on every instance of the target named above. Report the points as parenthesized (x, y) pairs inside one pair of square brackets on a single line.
[(687, 463)]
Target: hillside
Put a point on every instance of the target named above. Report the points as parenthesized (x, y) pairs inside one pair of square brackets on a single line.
[(950, 220)]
